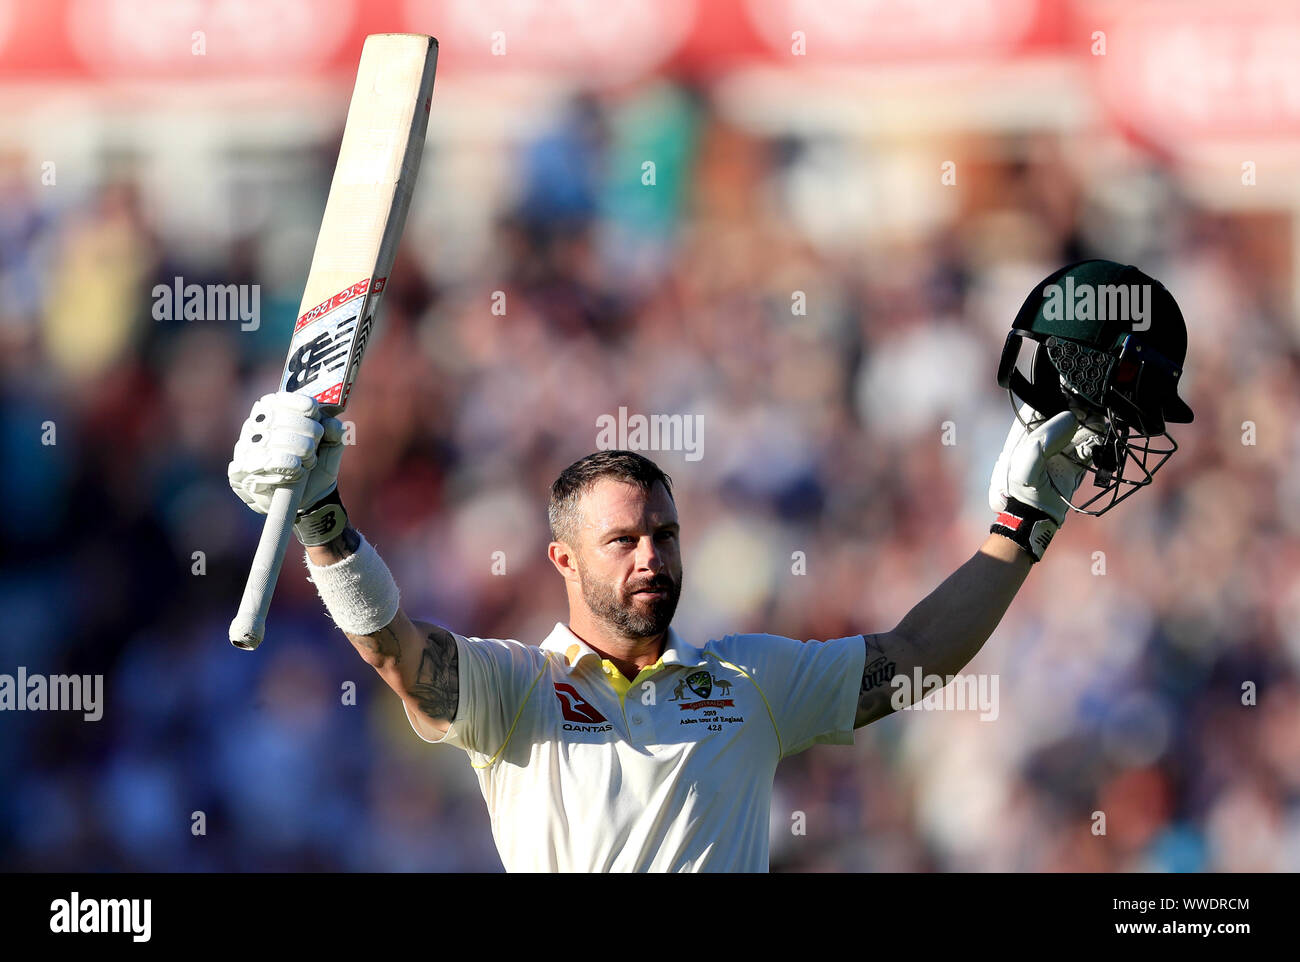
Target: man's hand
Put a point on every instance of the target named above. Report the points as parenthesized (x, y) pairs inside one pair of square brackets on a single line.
[(283, 438), (1037, 471)]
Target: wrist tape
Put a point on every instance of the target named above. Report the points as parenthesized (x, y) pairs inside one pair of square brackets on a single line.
[(1029, 527), (359, 592)]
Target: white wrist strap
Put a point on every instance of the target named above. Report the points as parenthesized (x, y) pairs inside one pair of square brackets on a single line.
[(358, 591)]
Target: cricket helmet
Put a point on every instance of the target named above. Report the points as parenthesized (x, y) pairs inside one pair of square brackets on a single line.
[(1108, 343)]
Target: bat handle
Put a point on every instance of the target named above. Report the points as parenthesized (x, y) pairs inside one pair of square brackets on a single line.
[(250, 624)]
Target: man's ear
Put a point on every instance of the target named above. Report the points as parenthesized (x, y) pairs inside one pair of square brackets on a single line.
[(565, 560)]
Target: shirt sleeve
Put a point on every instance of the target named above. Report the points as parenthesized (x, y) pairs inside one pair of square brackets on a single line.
[(496, 678), (811, 687)]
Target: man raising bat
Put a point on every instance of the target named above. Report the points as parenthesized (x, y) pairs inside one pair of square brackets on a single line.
[(620, 745)]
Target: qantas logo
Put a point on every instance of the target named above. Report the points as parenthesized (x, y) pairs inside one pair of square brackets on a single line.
[(575, 707)]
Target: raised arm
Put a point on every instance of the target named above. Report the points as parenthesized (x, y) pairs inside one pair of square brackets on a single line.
[(943, 632), (416, 659), (286, 435)]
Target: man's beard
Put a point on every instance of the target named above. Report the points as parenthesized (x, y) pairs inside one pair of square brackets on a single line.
[(623, 613)]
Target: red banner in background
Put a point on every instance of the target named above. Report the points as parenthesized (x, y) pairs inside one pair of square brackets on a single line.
[(247, 39), (1179, 74), (1172, 72), (600, 41), (848, 31), (163, 39)]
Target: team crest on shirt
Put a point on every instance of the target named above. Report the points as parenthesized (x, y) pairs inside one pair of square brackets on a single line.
[(701, 683), (702, 709)]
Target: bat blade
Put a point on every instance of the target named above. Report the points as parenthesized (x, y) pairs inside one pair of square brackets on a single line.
[(379, 156)]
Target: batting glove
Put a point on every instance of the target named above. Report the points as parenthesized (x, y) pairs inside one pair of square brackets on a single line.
[(1037, 471), (283, 439)]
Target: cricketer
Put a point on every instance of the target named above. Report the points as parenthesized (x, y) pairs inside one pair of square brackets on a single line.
[(618, 744)]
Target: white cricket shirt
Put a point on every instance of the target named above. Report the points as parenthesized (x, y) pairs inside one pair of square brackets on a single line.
[(584, 771)]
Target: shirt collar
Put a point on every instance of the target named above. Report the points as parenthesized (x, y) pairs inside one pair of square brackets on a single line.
[(574, 651)]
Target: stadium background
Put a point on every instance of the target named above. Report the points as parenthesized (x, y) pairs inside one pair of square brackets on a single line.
[(776, 172)]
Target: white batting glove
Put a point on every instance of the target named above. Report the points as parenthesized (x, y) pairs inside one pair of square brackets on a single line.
[(1035, 474), (284, 438)]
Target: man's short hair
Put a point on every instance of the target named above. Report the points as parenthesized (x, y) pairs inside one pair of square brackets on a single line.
[(579, 477)]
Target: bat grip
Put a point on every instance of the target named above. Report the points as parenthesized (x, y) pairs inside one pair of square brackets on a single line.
[(250, 624)]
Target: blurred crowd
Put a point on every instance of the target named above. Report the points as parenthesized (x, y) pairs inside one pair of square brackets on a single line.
[(844, 368)]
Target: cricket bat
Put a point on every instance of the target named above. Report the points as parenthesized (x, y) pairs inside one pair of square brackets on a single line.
[(364, 215)]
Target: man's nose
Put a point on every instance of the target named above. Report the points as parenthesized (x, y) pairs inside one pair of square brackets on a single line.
[(648, 555)]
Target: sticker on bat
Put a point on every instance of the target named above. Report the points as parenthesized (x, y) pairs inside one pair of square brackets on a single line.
[(323, 356), (358, 348), (326, 350), (359, 289)]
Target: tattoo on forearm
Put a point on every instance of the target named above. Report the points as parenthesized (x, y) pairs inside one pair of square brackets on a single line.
[(347, 543), (382, 643), (344, 546), (437, 681)]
